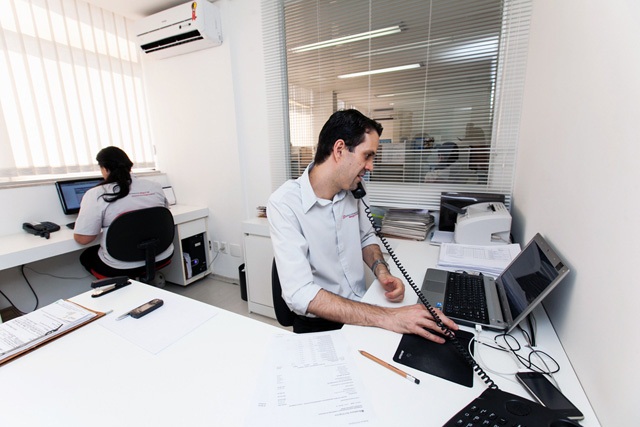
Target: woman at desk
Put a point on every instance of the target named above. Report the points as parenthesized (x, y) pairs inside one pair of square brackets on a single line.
[(120, 192)]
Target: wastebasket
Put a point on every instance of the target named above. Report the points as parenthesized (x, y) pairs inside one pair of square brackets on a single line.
[(243, 282)]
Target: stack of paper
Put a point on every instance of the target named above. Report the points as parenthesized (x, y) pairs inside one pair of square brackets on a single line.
[(491, 260), (407, 223)]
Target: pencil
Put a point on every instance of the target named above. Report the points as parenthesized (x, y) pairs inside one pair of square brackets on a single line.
[(393, 368)]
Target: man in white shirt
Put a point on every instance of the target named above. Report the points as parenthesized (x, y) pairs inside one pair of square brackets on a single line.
[(321, 235)]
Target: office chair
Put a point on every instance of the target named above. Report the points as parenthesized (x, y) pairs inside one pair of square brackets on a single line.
[(139, 236), (283, 313)]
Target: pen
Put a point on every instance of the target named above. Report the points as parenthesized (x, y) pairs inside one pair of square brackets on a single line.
[(393, 368), (122, 316)]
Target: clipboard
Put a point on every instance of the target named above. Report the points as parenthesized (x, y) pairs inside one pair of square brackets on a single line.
[(29, 347)]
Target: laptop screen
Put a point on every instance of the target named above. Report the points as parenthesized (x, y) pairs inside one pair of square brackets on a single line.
[(71, 191), (530, 277)]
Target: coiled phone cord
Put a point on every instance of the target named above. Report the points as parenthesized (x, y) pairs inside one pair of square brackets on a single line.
[(448, 332)]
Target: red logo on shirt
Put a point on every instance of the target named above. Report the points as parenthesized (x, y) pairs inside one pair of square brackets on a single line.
[(353, 215)]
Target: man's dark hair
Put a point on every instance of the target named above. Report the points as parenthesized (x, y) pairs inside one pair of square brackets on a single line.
[(348, 125), (448, 153), (119, 166)]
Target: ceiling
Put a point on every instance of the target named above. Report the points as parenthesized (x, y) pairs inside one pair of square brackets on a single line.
[(135, 9)]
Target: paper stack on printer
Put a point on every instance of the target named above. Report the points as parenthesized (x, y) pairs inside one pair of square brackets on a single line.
[(490, 260), (407, 223)]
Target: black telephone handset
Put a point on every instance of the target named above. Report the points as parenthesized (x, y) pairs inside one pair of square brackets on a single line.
[(42, 229), (359, 192)]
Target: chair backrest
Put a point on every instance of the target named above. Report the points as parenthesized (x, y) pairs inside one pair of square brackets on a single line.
[(283, 313), (139, 235)]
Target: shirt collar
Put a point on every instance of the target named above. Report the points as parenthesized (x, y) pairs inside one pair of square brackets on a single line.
[(309, 197)]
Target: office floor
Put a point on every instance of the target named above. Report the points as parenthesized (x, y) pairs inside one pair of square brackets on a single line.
[(220, 293)]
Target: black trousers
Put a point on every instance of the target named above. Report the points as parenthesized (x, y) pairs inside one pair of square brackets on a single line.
[(304, 324), (94, 265)]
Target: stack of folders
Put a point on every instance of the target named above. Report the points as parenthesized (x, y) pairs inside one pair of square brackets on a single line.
[(491, 260), (411, 224)]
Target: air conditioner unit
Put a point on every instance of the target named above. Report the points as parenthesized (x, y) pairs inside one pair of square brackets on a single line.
[(185, 28)]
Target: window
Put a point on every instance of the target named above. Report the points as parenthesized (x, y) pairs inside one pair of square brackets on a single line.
[(444, 78), (71, 84)]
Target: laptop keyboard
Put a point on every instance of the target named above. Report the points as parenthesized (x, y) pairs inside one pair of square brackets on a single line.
[(465, 298)]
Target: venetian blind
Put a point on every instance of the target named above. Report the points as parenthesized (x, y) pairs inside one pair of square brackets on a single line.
[(71, 84), (444, 78)]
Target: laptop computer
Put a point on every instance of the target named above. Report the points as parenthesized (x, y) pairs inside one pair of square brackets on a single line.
[(70, 192), (511, 296)]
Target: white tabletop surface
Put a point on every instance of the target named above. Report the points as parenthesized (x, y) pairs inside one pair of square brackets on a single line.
[(435, 399), (22, 248), (207, 373), (96, 377)]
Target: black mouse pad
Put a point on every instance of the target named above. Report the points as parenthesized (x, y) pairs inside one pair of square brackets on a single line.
[(441, 360)]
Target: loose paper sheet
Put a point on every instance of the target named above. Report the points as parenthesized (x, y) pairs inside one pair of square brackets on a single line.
[(310, 380), (176, 318)]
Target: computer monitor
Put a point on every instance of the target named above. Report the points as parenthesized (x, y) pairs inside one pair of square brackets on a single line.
[(451, 201), (71, 192)]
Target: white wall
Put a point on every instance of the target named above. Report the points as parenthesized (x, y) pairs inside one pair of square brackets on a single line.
[(203, 112), (577, 184)]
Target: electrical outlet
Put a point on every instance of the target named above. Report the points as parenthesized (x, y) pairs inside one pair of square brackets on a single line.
[(216, 246), (236, 250), (223, 248)]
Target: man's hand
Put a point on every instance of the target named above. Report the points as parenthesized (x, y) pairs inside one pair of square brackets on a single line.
[(416, 319), (392, 285), (412, 319)]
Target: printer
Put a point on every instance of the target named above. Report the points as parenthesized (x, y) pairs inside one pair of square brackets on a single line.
[(487, 223)]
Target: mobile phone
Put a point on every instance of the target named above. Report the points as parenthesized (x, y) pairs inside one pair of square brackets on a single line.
[(548, 395), (146, 308)]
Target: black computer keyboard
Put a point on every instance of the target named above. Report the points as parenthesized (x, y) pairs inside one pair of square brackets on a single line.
[(497, 408), (465, 298)]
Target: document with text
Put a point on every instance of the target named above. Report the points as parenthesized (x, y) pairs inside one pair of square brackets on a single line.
[(23, 333), (310, 380), (491, 259)]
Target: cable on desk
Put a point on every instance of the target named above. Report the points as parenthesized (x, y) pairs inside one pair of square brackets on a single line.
[(447, 332), (214, 258), (59, 277), (30, 287), (532, 328), (22, 313), (478, 358), (513, 346)]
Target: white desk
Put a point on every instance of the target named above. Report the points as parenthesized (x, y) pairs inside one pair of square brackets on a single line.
[(22, 248), (437, 400), (95, 377)]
